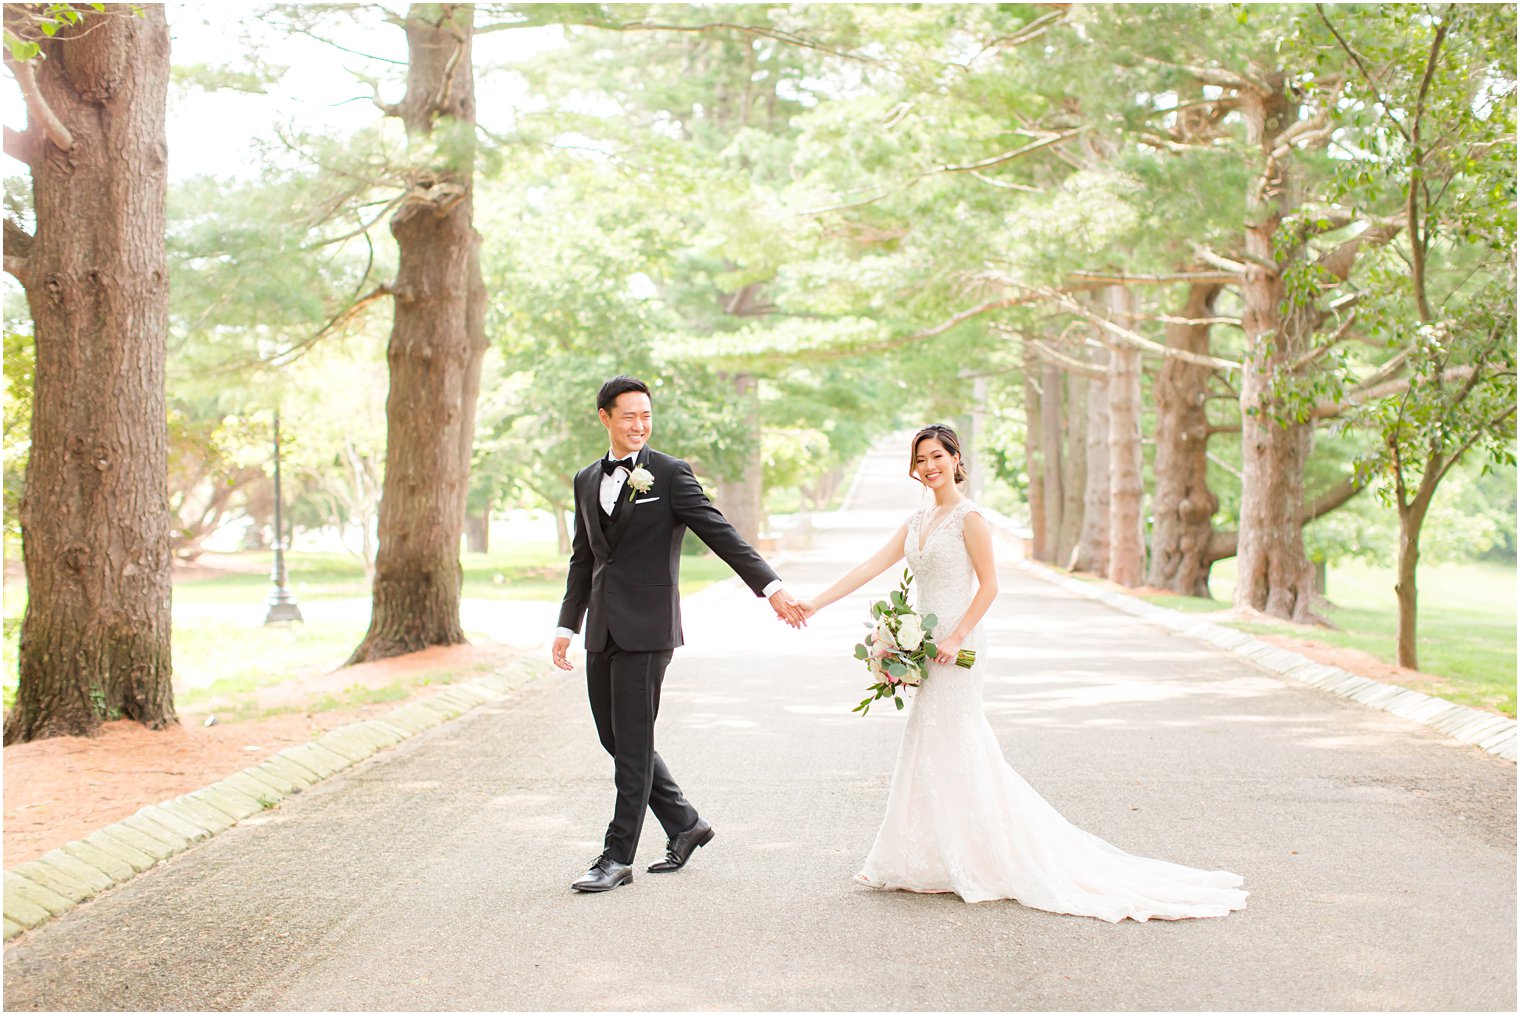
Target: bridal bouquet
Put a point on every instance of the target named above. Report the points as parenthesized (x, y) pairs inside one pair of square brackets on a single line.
[(899, 647)]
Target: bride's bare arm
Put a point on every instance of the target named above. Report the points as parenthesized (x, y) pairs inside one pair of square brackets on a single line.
[(890, 553), (979, 546)]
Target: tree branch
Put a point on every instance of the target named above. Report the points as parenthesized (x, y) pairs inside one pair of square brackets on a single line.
[(1028, 32), (1316, 353), (1225, 544), (41, 113), (1419, 239), (1125, 278), (21, 146), (846, 206), (18, 249), (1208, 256), (1475, 436), (1334, 497), (1364, 392), (1074, 366), (1005, 186), (1009, 156), (362, 227), (1339, 260), (1233, 322), (1139, 341), (1217, 76), (1356, 58)]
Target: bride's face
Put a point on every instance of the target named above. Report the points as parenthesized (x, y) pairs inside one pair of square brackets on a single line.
[(934, 465)]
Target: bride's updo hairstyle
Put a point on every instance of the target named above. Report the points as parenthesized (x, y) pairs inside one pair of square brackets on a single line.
[(947, 439)]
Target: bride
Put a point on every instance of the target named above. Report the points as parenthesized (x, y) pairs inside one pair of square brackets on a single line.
[(959, 818)]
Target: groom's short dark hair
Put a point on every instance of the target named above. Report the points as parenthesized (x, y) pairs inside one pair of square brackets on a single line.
[(619, 385)]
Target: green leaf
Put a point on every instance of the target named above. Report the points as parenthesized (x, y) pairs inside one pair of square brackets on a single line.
[(21, 49), (898, 702), (861, 652)]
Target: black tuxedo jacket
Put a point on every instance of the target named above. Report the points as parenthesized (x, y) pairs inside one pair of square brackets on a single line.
[(625, 578)]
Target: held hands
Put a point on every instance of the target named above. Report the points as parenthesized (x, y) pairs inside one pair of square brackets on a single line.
[(787, 608), (561, 646)]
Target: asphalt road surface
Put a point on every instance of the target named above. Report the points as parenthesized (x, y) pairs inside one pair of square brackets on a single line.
[(1380, 858)]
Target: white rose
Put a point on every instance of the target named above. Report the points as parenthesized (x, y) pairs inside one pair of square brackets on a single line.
[(883, 634), (910, 633)]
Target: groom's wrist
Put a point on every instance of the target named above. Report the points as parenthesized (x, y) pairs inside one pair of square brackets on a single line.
[(563, 632), (772, 588)]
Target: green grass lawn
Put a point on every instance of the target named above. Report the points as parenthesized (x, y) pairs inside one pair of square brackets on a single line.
[(532, 571), (234, 653), (1466, 634)]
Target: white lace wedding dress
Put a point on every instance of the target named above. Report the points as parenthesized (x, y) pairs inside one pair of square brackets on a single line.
[(960, 819)]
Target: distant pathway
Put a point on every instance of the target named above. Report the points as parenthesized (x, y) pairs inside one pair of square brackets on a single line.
[(1380, 859)]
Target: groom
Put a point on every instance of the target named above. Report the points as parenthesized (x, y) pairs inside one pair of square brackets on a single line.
[(631, 510)]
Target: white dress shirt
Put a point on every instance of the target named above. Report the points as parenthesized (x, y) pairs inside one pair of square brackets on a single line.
[(612, 486)]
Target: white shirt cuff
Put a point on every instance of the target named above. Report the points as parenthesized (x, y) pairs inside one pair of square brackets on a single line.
[(563, 632), (772, 588)]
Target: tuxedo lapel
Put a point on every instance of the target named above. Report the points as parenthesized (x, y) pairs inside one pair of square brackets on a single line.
[(591, 509)]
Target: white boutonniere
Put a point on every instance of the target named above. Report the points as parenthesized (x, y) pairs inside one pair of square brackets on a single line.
[(640, 480)]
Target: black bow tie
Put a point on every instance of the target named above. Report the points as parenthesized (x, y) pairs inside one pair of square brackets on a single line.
[(611, 465)]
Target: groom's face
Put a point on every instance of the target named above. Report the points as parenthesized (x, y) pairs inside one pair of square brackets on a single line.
[(628, 423)]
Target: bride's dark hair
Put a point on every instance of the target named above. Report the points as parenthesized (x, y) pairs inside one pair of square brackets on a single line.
[(947, 439)]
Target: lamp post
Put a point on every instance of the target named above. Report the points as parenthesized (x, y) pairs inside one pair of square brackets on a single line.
[(282, 604)]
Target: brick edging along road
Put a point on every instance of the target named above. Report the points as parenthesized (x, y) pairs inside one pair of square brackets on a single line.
[(56, 882)]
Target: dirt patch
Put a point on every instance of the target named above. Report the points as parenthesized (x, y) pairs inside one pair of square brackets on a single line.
[(64, 788), (314, 690)]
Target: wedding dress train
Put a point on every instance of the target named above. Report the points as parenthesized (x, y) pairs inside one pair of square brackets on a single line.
[(960, 819)]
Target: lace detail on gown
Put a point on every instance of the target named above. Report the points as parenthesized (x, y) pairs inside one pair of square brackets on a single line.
[(960, 819)]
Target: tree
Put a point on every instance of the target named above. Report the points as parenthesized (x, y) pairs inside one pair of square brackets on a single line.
[(1433, 87), (1126, 539), (436, 348), (95, 515), (1184, 505)]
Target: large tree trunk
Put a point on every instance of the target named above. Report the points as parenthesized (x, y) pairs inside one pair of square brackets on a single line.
[(1091, 554), (740, 499), (1051, 385), (1034, 460), (1073, 468), (434, 355), (1274, 573), (1183, 505), (95, 515), (1126, 536)]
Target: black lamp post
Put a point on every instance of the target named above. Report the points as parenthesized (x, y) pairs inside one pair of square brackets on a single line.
[(282, 604)]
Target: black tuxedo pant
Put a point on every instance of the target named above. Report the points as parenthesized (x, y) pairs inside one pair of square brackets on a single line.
[(624, 688)]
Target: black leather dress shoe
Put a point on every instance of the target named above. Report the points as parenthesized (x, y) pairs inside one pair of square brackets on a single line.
[(680, 847), (605, 875)]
